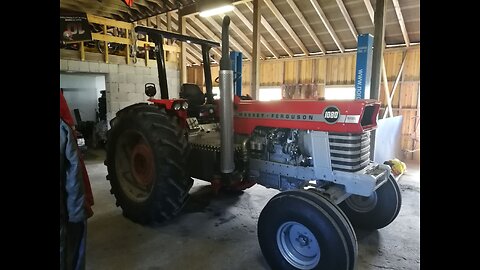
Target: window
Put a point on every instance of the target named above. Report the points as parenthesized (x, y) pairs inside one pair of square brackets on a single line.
[(265, 94), (339, 92), (270, 93), (216, 92)]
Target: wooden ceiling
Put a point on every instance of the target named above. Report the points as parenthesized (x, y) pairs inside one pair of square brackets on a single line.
[(118, 10), (289, 28)]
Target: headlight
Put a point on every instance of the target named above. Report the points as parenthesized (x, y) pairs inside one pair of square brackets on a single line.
[(184, 105), (211, 111), (177, 106)]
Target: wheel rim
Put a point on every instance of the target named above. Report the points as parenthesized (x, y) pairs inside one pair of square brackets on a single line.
[(362, 204), (134, 165), (298, 245)]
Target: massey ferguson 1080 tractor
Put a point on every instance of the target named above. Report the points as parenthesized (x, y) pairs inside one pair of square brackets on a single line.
[(316, 152)]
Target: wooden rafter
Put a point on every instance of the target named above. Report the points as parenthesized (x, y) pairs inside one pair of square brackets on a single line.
[(195, 33), (398, 10), (239, 32), (205, 29), (234, 43), (121, 15), (286, 25), (111, 7), (348, 19), (329, 27), (306, 25), (194, 52), (249, 25), (369, 7), (395, 84), (272, 32)]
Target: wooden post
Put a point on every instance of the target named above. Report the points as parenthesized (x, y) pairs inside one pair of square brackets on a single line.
[(256, 49), (400, 72), (182, 29), (417, 122), (169, 26), (147, 50), (385, 87), (82, 51), (128, 48), (401, 86), (378, 45), (106, 43)]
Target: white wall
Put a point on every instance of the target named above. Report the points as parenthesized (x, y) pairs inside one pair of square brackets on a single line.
[(124, 84)]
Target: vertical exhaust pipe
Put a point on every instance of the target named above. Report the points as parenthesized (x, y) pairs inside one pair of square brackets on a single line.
[(227, 164)]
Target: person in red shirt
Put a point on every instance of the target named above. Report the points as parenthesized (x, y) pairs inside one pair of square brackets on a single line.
[(68, 119)]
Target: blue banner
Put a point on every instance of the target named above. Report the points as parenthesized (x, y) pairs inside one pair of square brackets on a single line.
[(364, 66)]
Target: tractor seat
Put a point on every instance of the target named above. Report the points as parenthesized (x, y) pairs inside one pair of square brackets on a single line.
[(194, 96), (192, 93)]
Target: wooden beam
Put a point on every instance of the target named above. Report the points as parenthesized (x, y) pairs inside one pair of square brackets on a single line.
[(394, 87), (147, 52), (243, 36), (195, 33), (169, 21), (249, 25), (330, 55), (306, 25), (82, 51), (198, 35), (101, 20), (234, 43), (192, 10), (272, 32), (369, 7), (109, 38), (190, 59), (159, 21), (110, 6), (194, 52), (385, 87), (105, 43), (329, 27), (348, 19), (205, 29), (128, 48), (182, 29), (191, 29), (256, 49), (286, 25), (398, 10)]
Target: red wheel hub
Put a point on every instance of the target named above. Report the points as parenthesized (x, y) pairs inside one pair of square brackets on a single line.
[(142, 164)]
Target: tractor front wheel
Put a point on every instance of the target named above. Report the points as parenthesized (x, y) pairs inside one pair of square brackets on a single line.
[(304, 230), (376, 211), (146, 161)]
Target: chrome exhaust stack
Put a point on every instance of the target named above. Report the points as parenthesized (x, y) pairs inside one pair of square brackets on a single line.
[(227, 164)]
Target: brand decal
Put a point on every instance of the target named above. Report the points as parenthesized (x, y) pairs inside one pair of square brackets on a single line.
[(331, 114)]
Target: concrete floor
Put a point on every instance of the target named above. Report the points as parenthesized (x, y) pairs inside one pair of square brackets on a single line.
[(219, 232)]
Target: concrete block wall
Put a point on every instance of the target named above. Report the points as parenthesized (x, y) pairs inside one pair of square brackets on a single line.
[(125, 84)]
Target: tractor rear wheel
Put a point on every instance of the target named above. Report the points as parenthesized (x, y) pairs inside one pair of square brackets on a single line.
[(304, 230), (376, 211), (147, 151)]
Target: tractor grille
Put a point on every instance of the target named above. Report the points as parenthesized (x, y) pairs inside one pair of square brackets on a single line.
[(349, 152)]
